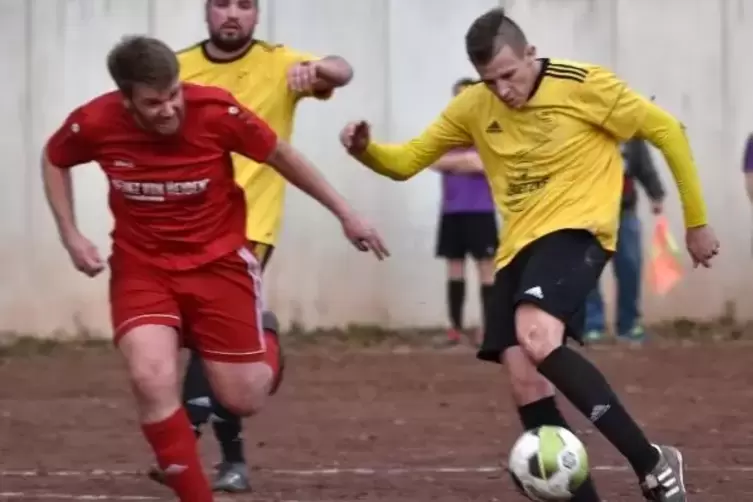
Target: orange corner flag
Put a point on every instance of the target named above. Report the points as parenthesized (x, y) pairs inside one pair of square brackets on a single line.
[(665, 269)]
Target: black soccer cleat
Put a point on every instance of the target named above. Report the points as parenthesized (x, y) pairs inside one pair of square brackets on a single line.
[(666, 482)]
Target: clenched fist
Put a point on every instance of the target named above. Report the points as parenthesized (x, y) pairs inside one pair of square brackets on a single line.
[(356, 136)]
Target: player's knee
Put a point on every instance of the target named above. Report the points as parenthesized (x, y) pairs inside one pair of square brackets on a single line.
[(155, 379), (152, 359), (527, 384), (455, 269), (249, 392), (486, 271), (538, 332)]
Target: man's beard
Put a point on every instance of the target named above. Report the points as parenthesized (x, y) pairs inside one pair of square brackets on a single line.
[(230, 45)]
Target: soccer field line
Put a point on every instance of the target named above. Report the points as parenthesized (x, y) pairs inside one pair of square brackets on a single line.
[(102, 497), (71, 496), (335, 471)]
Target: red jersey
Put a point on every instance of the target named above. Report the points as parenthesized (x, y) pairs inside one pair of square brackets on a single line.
[(173, 198)]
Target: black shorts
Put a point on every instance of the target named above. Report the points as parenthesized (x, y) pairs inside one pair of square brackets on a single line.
[(263, 253), (555, 273), (461, 234)]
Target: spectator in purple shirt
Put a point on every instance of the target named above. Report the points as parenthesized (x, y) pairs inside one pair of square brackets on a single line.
[(467, 226)]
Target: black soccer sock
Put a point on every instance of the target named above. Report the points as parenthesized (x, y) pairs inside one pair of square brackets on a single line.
[(546, 412), (197, 393), (584, 385), (455, 301), (487, 302), (227, 430)]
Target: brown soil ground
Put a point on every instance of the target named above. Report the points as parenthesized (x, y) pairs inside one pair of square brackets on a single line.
[(387, 424)]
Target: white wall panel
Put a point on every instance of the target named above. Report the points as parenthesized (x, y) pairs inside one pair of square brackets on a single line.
[(406, 56)]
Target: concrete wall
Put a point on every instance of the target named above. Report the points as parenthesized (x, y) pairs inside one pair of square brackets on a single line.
[(692, 54)]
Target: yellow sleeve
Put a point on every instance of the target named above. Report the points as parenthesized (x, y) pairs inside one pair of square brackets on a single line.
[(607, 102), (668, 135), (401, 162)]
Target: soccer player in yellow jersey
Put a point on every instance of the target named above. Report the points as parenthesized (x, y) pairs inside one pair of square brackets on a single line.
[(548, 133), (270, 80)]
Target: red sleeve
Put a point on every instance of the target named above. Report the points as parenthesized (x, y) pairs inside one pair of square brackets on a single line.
[(69, 146), (244, 132)]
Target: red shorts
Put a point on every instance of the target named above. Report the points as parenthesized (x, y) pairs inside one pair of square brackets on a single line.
[(217, 307)]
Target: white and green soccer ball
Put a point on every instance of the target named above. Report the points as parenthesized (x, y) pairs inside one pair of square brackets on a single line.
[(548, 463)]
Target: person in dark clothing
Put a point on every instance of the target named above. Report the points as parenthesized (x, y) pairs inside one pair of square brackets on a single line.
[(748, 166), (628, 258)]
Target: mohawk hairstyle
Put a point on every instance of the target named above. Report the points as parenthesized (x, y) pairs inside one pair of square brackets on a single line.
[(490, 33)]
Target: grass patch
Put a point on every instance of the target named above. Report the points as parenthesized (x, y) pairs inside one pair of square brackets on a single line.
[(27, 345), (724, 328)]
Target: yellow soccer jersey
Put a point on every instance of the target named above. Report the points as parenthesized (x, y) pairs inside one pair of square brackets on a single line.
[(555, 163), (258, 79)]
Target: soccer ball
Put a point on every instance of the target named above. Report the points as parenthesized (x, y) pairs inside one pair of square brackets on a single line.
[(548, 463)]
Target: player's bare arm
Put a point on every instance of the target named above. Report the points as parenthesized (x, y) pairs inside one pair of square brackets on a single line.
[(467, 162), (332, 72), (320, 76), (299, 171), (58, 187)]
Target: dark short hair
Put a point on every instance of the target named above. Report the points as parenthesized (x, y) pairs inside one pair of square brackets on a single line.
[(142, 60), (490, 33), (209, 2), (464, 82)]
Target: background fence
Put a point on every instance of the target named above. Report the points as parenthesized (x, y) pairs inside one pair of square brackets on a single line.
[(694, 55)]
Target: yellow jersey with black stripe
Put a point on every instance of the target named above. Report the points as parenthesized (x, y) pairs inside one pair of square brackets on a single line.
[(258, 79), (553, 164)]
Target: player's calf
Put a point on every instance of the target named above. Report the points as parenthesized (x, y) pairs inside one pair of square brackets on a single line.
[(151, 354), (541, 337)]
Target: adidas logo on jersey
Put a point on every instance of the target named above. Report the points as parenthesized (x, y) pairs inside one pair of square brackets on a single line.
[(494, 127)]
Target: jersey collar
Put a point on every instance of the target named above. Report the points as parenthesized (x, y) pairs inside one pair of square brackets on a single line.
[(539, 77), (208, 57)]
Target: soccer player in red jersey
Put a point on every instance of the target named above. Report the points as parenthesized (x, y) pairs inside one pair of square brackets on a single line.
[(179, 255)]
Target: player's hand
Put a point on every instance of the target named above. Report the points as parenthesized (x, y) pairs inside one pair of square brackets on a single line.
[(84, 254), (363, 236), (302, 77), (356, 136), (702, 245)]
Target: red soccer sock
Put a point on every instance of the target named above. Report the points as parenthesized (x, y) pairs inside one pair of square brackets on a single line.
[(174, 444)]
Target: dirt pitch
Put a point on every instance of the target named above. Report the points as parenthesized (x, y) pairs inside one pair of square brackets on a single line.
[(372, 425)]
